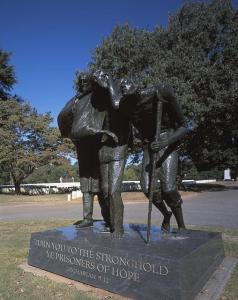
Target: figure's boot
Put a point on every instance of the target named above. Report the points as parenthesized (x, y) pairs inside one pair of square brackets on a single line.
[(158, 202), (87, 211)]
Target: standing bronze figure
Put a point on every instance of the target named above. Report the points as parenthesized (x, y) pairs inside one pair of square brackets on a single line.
[(112, 157), (94, 123), (82, 120)]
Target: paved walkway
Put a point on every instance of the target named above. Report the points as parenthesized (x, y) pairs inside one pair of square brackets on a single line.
[(216, 208)]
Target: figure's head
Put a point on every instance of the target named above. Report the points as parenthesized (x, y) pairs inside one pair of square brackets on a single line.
[(101, 77), (82, 81), (105, 80), (127, 86)]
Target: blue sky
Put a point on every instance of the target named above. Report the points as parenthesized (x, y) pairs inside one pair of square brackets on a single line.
[(51, 39)]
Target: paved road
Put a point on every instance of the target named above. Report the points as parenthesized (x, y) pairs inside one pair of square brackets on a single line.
[(217, 208)]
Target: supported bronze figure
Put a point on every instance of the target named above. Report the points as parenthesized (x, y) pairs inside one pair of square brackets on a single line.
[(157, 116)]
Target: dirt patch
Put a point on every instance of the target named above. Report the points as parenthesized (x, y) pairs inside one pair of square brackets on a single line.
[(61, 199)]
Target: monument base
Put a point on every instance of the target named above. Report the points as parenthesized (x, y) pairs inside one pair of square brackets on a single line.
[(171, 267)]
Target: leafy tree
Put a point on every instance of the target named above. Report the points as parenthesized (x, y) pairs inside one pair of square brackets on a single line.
[(132, 172), (203, 42), (52, 173), (27, 140), (7, 75), (196, 54), (5, 177)]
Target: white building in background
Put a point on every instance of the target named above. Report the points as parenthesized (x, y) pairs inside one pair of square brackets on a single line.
[(227, 174)]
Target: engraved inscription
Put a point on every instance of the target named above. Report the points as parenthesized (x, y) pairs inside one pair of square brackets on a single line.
[(96, 265)]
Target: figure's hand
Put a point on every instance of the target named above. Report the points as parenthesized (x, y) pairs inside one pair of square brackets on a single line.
[(157, 146), (108, 134), (191, 125)]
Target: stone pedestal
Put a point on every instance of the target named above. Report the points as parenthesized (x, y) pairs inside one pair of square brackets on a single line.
[(171, 267)]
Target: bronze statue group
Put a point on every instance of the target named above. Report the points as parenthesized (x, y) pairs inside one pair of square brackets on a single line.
[(99, 121)]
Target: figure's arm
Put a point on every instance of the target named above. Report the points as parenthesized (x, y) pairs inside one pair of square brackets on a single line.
[(175, 111), (82, 126), (87, 131), (149, 91), (172, 140)]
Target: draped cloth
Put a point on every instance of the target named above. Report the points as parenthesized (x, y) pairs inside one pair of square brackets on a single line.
[(81, 117), (81, 120)]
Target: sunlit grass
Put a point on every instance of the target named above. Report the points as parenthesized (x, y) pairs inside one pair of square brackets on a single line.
[(17, 284)]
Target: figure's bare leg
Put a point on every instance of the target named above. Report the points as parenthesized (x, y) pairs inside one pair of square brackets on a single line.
[(157, 201), (174, 201), (168, 175), (178, 214)]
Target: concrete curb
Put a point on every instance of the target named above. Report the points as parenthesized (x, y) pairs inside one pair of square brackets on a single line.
[(213, 289), (72, 283)]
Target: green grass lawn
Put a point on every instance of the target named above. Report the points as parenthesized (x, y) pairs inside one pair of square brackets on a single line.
[(17, 284)]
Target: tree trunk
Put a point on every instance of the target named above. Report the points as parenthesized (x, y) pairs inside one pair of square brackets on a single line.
[(17, 188)]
